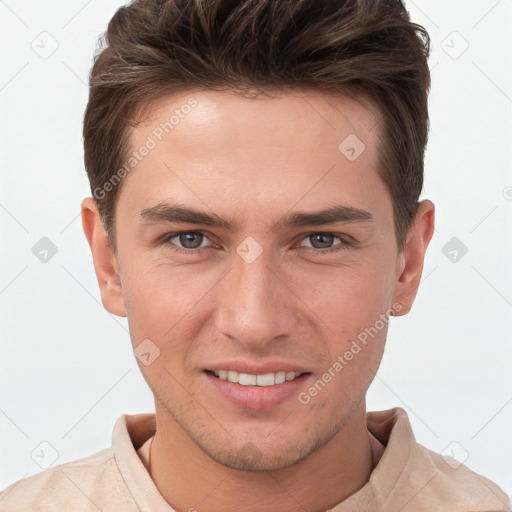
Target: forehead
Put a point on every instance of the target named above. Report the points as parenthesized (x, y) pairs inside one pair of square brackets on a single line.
[(227, 150), (284, 118)]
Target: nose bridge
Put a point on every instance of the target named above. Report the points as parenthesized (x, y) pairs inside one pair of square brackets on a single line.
[(254, 308)]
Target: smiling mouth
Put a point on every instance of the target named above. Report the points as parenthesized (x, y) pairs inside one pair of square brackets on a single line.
[(247, 379)]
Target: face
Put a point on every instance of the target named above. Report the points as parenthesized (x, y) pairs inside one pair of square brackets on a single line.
[(256, 237)]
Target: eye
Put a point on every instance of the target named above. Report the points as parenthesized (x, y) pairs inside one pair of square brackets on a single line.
[(186, 241), (323, 241)]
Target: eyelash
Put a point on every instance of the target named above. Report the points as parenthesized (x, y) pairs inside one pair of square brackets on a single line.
[(167, 240)]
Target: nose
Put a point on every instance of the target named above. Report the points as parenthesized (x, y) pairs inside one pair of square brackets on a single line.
[(255, 306)]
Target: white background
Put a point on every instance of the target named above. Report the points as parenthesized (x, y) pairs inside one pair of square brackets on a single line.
[(67, 370)]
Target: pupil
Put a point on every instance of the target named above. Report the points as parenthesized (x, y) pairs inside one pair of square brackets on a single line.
[(186, 238), (323, 235)]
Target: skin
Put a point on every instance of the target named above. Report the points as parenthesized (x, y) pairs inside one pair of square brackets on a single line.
[(253, 161)]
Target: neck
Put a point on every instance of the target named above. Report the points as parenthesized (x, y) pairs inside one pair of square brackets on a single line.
[(189, 480)]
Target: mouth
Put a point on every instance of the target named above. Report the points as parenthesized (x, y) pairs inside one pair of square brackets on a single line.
[(256, 391), (263, 380)]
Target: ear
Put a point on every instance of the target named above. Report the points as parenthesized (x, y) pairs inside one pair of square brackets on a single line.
[(105, 261), (410, 260)]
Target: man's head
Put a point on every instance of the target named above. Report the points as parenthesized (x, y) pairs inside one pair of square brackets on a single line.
[(274, 230), (155, 48)]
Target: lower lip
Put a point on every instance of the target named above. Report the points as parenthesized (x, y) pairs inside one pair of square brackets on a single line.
[(257, 397)]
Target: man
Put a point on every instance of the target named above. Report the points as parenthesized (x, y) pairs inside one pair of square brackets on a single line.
[(255, 170)]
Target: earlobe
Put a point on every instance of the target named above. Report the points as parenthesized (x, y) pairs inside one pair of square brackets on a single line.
[(105, 261), (411, 259)]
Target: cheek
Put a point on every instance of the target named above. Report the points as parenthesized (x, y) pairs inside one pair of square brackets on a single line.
[(351, 367), (346, 300), (151, 299), (157, 288), (351, 308), (164, 304)]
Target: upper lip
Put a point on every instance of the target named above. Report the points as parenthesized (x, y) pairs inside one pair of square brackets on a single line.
[(260, 369)]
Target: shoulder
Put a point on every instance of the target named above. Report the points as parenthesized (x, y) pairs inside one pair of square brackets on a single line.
[(455, 482), (89, 483), (412, 478)]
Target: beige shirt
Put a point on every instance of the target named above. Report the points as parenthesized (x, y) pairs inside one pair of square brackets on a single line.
[(407, 478)]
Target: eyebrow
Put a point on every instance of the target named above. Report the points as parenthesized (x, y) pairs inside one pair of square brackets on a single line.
[(163, 212)]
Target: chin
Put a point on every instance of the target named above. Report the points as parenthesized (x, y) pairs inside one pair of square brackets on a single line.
[(250, 458), (271, 453)]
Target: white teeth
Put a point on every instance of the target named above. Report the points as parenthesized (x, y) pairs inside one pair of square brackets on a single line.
[(233, 376), (265, 380), (246, 379), (280, 377)]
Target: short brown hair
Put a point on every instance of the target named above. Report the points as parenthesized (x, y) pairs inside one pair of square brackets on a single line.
[(153, 48)]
